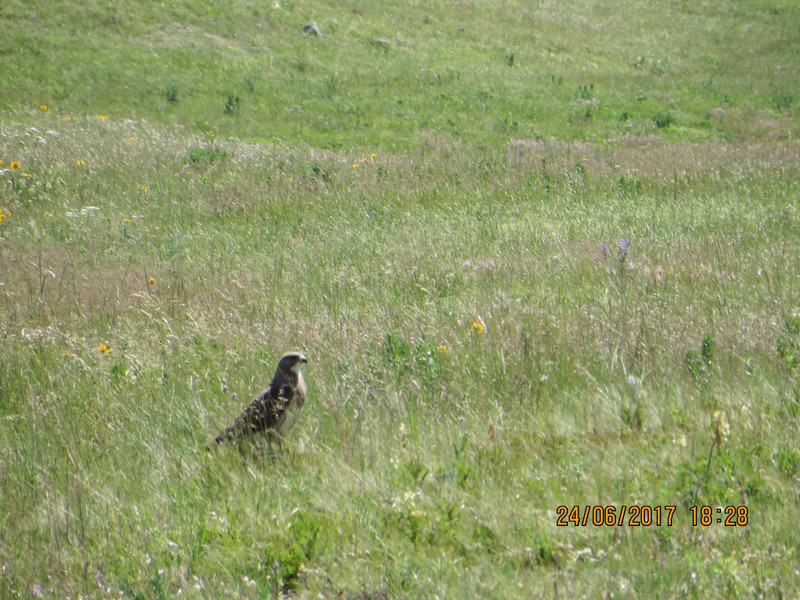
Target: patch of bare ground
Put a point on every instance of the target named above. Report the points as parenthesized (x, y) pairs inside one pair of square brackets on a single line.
[(652, 159)]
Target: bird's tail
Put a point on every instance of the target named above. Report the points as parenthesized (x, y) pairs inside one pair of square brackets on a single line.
[(227, 435)]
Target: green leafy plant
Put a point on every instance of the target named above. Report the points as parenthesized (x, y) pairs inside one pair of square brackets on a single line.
[(663, 119), (699, 363), (171, 93), (788, 346), (232, 105), (208, 154)]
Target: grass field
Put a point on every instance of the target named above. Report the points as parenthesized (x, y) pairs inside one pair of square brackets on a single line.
[(539, 254)]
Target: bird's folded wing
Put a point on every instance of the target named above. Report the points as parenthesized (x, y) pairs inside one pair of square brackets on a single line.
[(262, 414), (267, 411), (282, 398)]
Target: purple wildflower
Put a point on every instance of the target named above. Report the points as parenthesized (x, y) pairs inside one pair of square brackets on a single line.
[(603, 254), (622, 248)]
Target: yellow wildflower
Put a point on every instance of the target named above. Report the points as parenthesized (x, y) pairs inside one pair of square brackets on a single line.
[(127, 220), (103, 117), (442, 349), (80, 163), (151, 281), (43, 107), (15, 165), (2, 217), (355, 165), (67, 353), (68, 118), (478, 327), (103, 348), (372, 155), (131, 139), (144, 187), (28, 175)]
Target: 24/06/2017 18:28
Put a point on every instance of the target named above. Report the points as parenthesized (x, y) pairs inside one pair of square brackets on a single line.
[(646, 516)]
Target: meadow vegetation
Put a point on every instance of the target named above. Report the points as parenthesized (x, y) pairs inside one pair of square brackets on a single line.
[(538, 254)]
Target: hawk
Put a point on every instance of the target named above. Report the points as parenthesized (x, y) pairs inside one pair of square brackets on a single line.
[(274, 412)]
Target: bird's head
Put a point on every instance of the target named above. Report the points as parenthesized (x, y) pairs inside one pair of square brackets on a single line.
[(292, 361)]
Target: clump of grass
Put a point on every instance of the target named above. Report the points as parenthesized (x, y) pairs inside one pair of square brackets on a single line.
[(700, 363), (663, 119), (783, 101), (232, 105), (171, 93), (206, 154), (788, 345)]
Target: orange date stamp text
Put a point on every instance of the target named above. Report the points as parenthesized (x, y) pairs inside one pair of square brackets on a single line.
[(649, 516), (611, 516)]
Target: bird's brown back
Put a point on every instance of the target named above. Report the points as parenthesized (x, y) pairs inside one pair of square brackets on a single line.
[(268, 411)]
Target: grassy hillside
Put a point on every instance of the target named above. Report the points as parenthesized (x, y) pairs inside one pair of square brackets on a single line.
[(562, 279), (383, 72)]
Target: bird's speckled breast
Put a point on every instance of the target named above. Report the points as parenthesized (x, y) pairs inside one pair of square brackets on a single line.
[(294, 408)]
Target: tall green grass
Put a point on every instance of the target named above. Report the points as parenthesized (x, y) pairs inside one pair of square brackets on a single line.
[(477, 360), (500, 319)]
